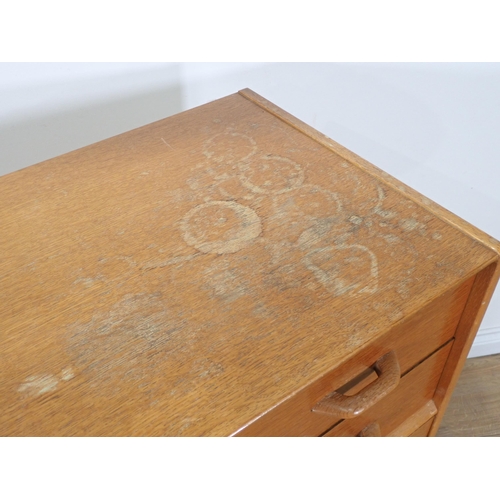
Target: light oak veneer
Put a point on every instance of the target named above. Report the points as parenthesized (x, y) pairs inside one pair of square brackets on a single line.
[(219, 273)]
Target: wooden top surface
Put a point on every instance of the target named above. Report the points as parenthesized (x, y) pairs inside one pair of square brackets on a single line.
[(187, 276)]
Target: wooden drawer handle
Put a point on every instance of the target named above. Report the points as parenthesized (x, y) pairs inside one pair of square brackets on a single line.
[(341, 406)]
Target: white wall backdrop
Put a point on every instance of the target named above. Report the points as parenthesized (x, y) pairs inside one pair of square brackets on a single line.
[(435, 127)]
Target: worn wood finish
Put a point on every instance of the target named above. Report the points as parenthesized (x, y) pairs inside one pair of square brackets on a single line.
[(414, 392), (188, 277), (412, 339), (475, 403), (377, 173)]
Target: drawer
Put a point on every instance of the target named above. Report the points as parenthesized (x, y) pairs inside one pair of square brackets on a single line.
[(412, 340), (418, 421), (220, 273), (423, 430), (399, 413), (409, 428)]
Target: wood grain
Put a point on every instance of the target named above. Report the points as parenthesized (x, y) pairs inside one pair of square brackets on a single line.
[(189, 276), (414, 392), (475, 403), (339, 405), (376, 172), (371, 430), (423, 431), (418, 423), (474, 310), (413, 339)]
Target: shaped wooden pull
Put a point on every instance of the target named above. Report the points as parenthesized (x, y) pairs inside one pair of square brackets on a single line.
[(342, 406)]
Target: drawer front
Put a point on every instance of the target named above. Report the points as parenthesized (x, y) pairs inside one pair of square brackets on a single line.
[(418, 420), (395, 412), (423, 430), (412, 340)]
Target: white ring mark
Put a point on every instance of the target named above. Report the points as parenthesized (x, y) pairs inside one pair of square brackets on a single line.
[(271, 175), (313, 198), (342, 269), (229, 147), (220, 227)]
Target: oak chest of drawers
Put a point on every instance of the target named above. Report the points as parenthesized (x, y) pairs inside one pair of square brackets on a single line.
[(231, 271)]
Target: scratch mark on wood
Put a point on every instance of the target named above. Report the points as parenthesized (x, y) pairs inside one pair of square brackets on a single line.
[(67, 374), (37, 385), (164, 263), (166, 143)]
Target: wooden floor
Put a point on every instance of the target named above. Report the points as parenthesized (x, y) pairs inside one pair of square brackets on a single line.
[(474, 409)]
